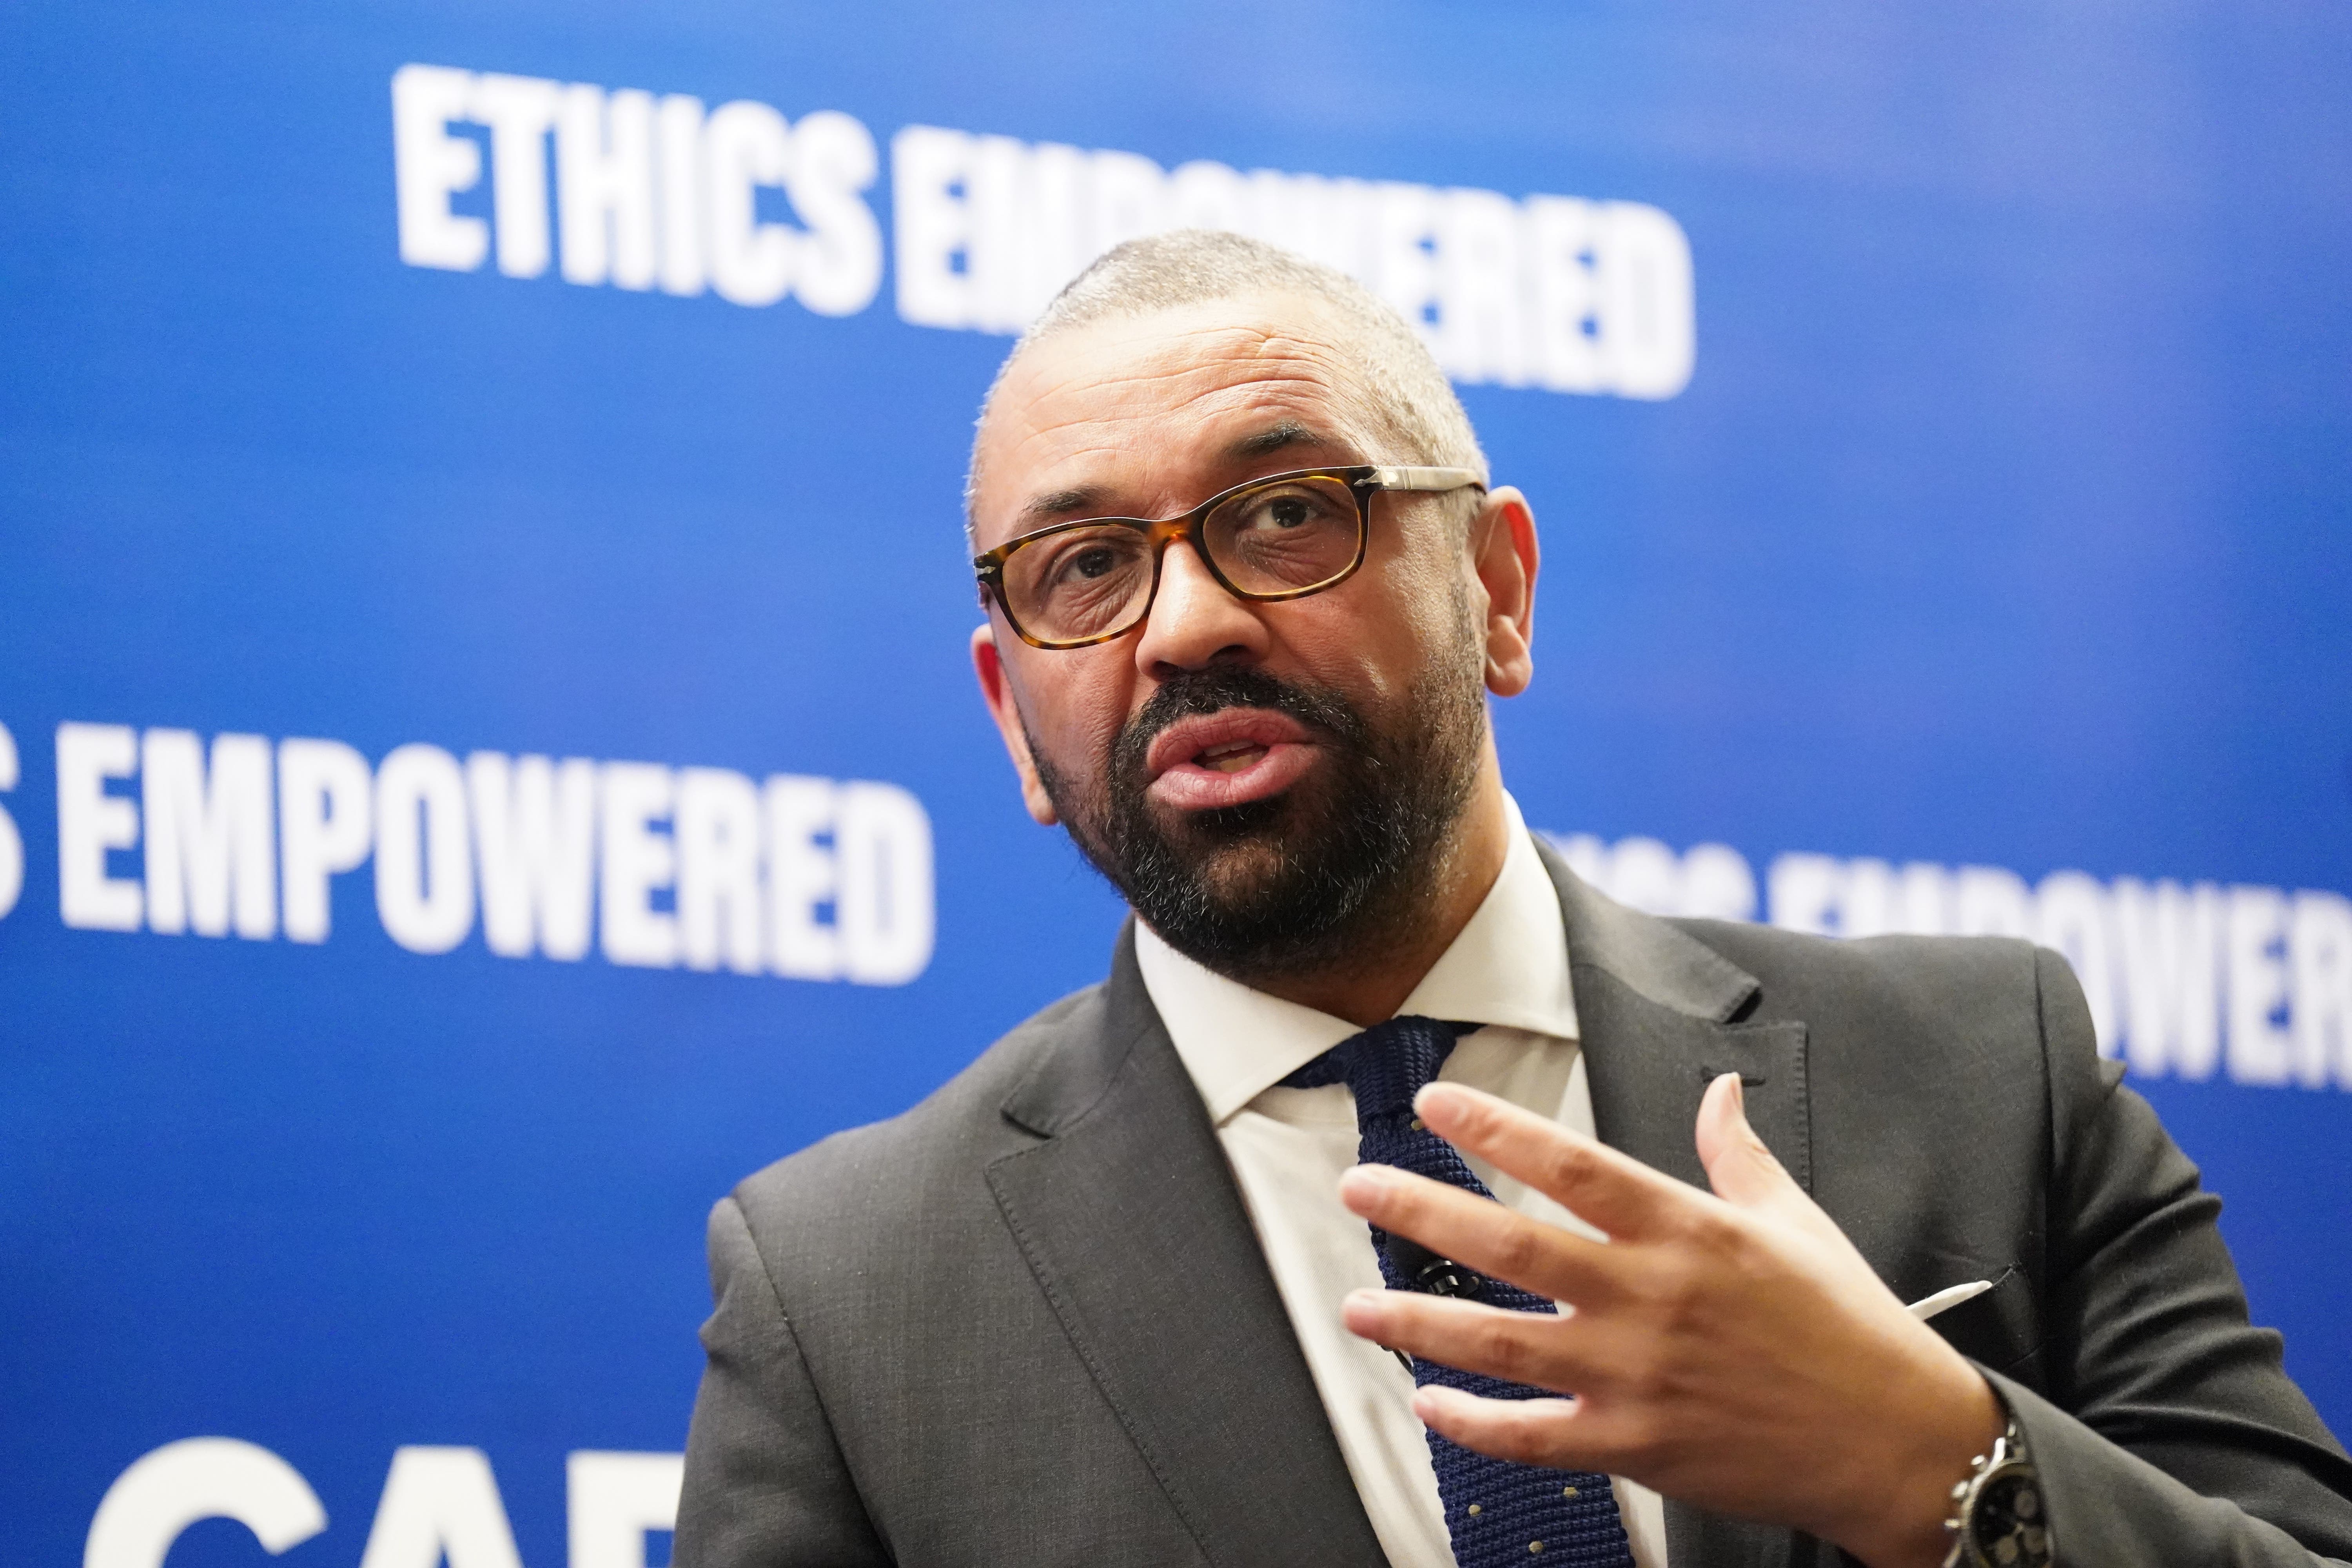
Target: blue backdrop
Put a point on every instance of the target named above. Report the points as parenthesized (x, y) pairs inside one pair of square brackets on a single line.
[(1962, 541)]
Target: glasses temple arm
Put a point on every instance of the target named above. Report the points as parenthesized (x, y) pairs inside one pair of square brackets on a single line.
[(1425, 479)]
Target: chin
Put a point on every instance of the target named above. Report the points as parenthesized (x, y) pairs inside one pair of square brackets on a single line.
[(1257, 822), (1240, 875)]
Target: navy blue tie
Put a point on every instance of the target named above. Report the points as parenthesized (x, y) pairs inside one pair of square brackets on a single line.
[(1498, 1512)]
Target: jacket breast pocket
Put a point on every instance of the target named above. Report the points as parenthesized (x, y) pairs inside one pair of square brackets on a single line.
[(2000, 1329)]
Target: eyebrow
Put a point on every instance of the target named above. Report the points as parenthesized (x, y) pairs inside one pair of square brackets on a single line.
[(1081, 499), (1276, 437), (1056, 504)]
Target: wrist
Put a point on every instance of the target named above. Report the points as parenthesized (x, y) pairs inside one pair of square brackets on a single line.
[(1903, 1525)]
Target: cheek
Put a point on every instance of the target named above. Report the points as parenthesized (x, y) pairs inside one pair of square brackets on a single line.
[(1379, 632), (1439, 600), (1074, 704)]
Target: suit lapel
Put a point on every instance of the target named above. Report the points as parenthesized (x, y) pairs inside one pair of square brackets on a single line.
[(1658, 1013), (1657, 1010), (1130, 1220)]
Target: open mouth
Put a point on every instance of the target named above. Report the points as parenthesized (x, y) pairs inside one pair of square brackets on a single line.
[(1227, 758)]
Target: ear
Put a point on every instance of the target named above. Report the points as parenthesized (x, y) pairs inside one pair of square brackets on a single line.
[(1504, 554), (996, 691)]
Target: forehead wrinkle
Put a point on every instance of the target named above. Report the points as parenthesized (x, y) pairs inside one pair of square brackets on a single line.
[(1287, 433), (1260, 371), (1260, 366), (1273, 394), (1286, 430), (1224, 349), (1222, 375)]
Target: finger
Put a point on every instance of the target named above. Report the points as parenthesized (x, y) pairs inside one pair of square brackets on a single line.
[(1743, 1171), (1619, 1195), (1739, 1167), (1541, 1350), (1530, 1431), (1482, 1233)]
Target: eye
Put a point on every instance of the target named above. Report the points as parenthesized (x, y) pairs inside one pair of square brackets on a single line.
[(1285, 511), (1085, 563), (1091, 561)]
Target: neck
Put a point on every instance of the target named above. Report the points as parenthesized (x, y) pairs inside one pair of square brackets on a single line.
[(1372, 986)]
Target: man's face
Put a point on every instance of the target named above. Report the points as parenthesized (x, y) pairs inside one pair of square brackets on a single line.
[(1263, 781)]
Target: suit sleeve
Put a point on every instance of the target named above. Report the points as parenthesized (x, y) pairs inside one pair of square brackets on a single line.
[(766, 1485), (2170, 1433)]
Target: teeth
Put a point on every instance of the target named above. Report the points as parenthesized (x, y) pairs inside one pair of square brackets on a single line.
[(1231, 757)]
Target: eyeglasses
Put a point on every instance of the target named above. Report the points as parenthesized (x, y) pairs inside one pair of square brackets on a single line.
[(1282, 537)]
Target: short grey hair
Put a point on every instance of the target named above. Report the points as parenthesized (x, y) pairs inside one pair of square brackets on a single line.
[(1409, 395)]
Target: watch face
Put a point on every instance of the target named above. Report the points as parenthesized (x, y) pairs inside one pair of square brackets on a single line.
[(2006, 1524)]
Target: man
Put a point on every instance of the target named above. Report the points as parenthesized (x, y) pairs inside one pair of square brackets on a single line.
[(1115, 1295)]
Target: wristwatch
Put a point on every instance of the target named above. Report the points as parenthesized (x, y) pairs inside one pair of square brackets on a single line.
[(1998, 1520)]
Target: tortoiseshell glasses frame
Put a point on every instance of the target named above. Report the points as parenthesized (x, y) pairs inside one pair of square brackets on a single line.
[(1284, 536)]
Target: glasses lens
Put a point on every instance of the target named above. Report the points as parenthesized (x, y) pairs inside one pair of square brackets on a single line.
[(1284, 536), (1084, 583)]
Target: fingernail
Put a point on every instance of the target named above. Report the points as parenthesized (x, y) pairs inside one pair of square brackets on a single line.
[(1368, 1179), (1738, 1095)]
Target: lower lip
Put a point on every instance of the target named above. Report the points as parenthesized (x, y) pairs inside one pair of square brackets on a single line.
[(1188, 786)]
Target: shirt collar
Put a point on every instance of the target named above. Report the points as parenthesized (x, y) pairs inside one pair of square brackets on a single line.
[(1509, 966)]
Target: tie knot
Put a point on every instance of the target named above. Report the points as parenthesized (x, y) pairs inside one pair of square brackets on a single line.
[(1385, 1065)]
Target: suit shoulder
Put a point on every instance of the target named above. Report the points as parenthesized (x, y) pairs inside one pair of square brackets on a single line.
[(1959, 977), (1991, 1019), (1933, 1053), (955, 1127)]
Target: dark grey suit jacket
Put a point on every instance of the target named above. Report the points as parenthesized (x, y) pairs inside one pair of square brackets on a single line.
[(1027, 1322)]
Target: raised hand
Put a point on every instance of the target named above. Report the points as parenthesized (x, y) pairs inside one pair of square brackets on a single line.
[(1732, 1351)]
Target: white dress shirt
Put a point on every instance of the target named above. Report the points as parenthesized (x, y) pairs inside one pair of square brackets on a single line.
[(1507, 970)]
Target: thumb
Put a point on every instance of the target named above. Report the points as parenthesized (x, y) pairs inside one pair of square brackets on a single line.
[(1740, 1168)]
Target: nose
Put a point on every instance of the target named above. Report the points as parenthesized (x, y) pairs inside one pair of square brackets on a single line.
[(1194, 622)]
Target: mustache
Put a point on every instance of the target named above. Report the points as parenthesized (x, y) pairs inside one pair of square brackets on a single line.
[(1219, 687)]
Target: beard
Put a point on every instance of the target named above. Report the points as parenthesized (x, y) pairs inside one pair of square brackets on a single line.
[(1329, 877)]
